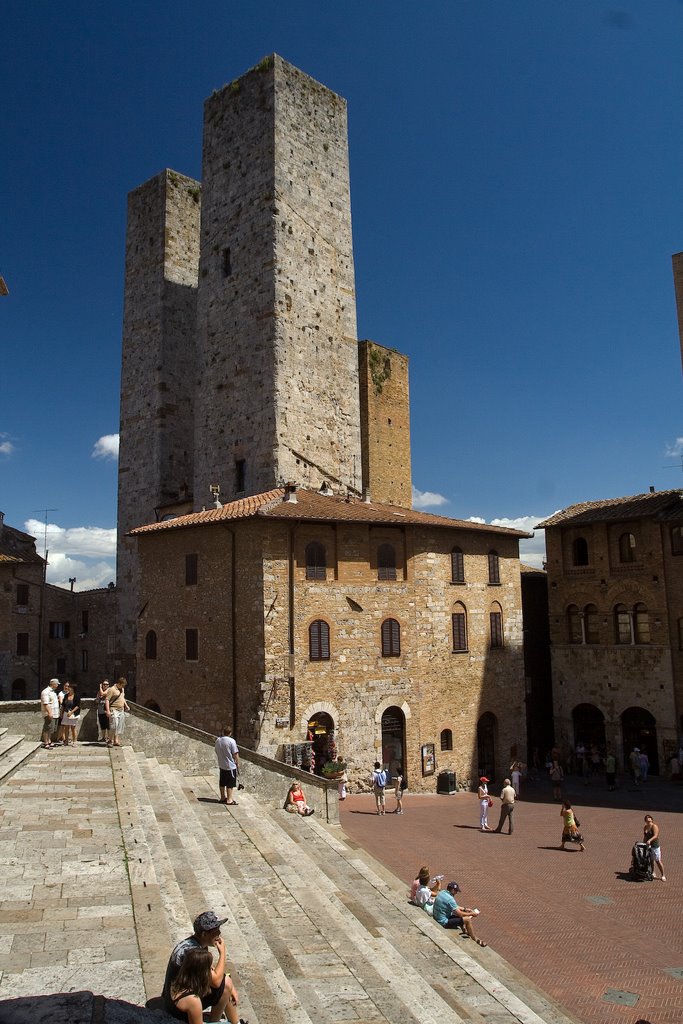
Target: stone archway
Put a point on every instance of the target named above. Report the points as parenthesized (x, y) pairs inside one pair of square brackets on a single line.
[(639, 729), (393, 725), (589, 726)]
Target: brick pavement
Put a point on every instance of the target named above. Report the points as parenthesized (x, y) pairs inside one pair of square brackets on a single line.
[(572, 922)]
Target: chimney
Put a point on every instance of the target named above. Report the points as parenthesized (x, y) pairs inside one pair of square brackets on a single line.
[(366, 496), (290, 492), (652, 490)]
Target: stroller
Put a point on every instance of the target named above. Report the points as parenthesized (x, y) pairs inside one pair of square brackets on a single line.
[(641, 863)]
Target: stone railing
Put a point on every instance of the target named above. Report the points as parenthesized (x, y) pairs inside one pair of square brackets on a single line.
[(188, 749)]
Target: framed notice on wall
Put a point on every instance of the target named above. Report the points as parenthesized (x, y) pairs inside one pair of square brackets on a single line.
[(428, 759)]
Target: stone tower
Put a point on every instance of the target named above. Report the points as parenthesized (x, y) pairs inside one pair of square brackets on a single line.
[(157, 370), (677, 261), (277, 363), (385, 424)]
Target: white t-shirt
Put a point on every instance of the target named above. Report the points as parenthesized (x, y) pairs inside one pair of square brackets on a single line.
[(226, 748), (49, 697)]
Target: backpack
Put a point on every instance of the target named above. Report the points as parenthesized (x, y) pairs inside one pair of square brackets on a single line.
[(381, 779)]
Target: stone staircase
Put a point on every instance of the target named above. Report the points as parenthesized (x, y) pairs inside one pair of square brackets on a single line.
[(14, 751), (317, 931)]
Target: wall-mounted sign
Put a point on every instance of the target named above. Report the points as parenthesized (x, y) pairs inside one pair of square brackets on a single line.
[(281, 723), (428, 759)]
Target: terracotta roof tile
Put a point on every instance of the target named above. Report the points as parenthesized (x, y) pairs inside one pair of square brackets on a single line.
[(652, 505), (315, 507)]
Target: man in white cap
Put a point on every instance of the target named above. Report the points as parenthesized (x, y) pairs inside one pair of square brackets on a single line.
[(223, 994)]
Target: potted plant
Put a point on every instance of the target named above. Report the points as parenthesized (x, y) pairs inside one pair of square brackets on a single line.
[(334, 769)]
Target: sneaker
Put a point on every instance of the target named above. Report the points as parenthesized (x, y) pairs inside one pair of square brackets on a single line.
[(664, 878)]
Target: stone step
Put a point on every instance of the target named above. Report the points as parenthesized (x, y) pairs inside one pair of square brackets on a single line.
[(372, 949), (200, 881), (14, 752)]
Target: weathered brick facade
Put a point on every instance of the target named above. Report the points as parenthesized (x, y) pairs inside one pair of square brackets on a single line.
[(616, 608), (252, 585)]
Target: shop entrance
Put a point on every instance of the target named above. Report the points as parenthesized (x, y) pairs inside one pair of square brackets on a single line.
[(393, 742), (589, 726), (321, 732), (639, 729)]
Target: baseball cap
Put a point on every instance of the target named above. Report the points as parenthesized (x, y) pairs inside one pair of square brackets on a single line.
[(453, 887), (483, 779), (207, 922)]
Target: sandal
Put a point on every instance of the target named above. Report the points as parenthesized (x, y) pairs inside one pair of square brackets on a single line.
[(231, 803), (480, 942)]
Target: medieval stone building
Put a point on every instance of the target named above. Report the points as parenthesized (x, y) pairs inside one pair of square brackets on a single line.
[(615, 573), (244, 387), (295, 612), (48, 631)]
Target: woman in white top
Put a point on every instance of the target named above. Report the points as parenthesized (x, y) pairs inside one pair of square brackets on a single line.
[(484, 804)]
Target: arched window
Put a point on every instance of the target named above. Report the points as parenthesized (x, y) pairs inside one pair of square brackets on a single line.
[(319, 641), (622, 624), (391, 638), (151, 645), (494, 567), (459, 621), (496, 620), (591, 624), (641, 625), (19, 689), (457, 566), (316, 562), (574, 631), (627, 548), (386, 562), (580, 551), (446, 739)]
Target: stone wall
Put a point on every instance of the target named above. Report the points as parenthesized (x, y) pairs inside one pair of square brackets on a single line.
[(278, 377), (385, 424), (157, 371), (614, 677), (275, 696), (189, 750)]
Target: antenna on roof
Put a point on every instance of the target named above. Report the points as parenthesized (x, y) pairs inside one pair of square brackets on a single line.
[(215, 490), (34, 512)]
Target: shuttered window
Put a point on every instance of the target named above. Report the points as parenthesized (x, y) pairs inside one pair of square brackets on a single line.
[(496, 629), (460, 630), (457, 566), (316, 561), (391, 639), (319, 640), (494, 567), (386, 562)]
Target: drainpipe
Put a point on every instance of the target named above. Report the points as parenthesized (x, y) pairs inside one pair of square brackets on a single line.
[(233, 627), (290, 625)]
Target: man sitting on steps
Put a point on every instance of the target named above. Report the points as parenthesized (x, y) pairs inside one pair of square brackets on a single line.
[(223, 995)]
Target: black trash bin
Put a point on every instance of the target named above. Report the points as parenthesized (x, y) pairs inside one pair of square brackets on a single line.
[(446, 783)]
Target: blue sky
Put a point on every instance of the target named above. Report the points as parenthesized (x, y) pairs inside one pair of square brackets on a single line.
[(517, 195)]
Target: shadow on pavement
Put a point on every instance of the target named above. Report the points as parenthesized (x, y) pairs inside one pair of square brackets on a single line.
[(77, 1008)]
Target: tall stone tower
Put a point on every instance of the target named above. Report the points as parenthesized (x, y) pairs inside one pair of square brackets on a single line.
[(277, 363), (677, 261), (158, 370), (385, 424)]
